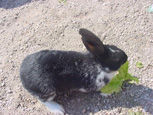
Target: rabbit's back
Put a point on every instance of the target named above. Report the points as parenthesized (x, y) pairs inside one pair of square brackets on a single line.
[(57, 71), (34, 75)]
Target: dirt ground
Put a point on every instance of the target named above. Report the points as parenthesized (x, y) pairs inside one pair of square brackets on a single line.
[(28, 26)]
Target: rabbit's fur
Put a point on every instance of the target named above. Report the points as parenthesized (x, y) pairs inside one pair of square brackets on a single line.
[(49, 72)]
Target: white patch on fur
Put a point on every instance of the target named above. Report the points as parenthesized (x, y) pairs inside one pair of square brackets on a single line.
[(107, 69), (100, 79), (111, 75), (82, 90), (54, 107), (113, 50), (51, 98), (99, 69)]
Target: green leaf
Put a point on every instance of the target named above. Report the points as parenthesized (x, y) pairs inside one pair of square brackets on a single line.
[(138, 113), (131, 112), (124, 68), (139, 64), (116, 83), (113, 86), (131, 78), (111, 89)]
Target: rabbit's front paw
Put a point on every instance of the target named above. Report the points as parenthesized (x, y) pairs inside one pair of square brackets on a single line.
[(54, 107), (58, 112)]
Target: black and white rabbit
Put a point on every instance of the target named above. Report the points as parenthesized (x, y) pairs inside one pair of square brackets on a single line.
[(47, 73)]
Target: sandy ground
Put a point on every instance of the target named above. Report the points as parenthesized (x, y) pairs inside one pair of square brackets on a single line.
[(28, 26)]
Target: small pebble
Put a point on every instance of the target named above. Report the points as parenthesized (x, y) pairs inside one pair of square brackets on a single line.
[(88, 108), (84, 111), (3, 84), (9, 91)]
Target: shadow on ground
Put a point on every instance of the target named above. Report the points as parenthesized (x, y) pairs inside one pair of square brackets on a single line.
[(10, 4), (132, 96)]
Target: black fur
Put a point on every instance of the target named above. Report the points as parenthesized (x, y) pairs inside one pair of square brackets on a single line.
[(46, 71)]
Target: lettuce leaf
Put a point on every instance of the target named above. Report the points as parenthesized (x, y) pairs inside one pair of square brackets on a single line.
[(115, 85)]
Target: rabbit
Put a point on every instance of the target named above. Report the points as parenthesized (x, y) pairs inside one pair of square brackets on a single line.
[(46, 74)]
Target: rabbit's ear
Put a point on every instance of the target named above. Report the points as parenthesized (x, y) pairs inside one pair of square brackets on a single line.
[(92, 42)]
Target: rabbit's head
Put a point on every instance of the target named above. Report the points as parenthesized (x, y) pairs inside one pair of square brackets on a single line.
[(109, 56)]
